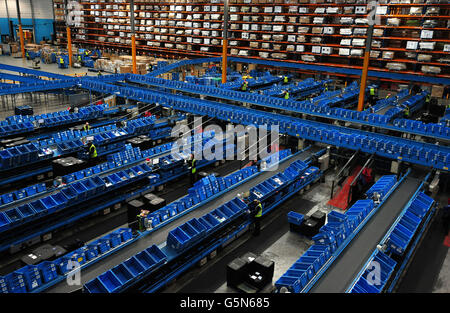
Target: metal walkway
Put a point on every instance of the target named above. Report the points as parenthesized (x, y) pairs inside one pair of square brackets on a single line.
[(344, 269), (159, 236)]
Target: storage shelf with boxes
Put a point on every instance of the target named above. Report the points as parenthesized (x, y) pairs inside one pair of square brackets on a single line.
[(410, 37)]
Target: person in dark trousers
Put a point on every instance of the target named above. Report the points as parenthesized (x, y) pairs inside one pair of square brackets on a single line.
[(92, 150), (244, 86), (256, 214), (193, 168)]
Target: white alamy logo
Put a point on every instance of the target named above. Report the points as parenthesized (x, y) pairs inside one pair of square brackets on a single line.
[(74, 273), (251, 142)]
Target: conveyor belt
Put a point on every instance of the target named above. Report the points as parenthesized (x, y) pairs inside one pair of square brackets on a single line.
[(344, 269), (160, 235)]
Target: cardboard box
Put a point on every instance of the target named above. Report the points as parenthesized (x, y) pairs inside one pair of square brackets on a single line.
[(437, 91)]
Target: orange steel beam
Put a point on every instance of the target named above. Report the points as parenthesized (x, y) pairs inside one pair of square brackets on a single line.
[(69, 45), (133, 53), (225, 42), (362, 89), (22, 41), (224, 61)]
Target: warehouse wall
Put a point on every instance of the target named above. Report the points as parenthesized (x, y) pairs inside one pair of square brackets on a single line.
[(43, 14)]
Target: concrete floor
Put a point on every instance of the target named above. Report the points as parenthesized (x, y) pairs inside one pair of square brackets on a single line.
[(443, 282), (52, 68)]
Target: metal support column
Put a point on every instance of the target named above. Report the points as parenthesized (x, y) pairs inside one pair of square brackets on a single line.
[(69, 45), (11, 32), (33, 21), (225, 42), (22, 41), (133, 36), (365, 69)]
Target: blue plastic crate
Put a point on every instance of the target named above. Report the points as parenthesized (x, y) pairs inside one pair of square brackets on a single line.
[(114, 239), (295, 218), (110, 281), (31, 275), (48, 271), (135, 267), (123, 274), (14, 216), (95, 286)]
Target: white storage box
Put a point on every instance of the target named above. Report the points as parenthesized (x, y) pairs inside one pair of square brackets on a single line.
[(316, 49), (356, 52), (308, 58), (388, 55), (344, 51), (427, 45), (346, 42), (396, 66), (345, 31), (431, 69), (412, 45), (358, 42), (426, 34), (360, 10), (327, 50), (328, 30), (300, 48), (319, 11)]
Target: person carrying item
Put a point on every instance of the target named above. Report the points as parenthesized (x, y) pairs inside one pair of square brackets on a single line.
[(193, 169), (256, 213), (286, 95), (86, 126)]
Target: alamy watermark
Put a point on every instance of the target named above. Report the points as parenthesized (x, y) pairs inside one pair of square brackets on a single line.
[(237, 142)]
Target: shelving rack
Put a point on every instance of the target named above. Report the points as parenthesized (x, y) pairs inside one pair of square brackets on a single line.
[(59, 9), (411, 37)]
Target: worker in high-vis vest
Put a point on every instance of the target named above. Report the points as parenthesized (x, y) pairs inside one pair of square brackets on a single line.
[(27, 54), (244, 86), (256, 212), (326, 87), (285, 80), (372, 99), (61, 61), (407, 111), (79, 59), (427, 102), (92, 152), (86, 126), (286, 95), (193, 170)]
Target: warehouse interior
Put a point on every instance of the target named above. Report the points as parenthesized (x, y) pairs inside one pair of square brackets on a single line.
[(224, 146)]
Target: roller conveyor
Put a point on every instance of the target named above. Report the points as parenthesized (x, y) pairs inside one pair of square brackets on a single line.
[(159, 236), (338, 277)]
